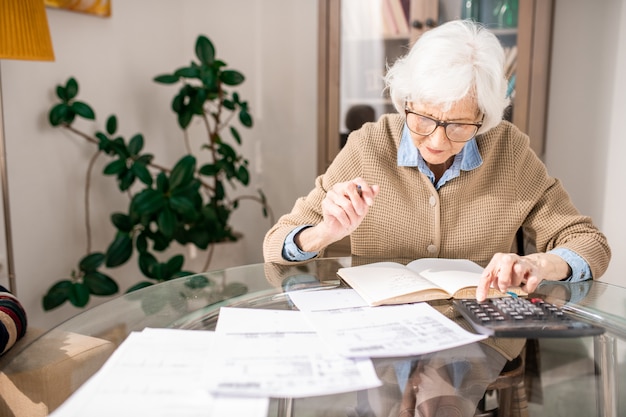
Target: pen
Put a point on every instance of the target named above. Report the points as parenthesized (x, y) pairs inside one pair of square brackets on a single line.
[(359, 190)]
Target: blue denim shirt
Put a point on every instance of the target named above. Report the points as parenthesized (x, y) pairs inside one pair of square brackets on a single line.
[(468, 159)]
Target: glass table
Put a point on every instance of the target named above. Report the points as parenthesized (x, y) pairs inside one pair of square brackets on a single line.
[(577, 372)]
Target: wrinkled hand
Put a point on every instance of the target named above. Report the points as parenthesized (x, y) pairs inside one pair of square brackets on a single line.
[(343, 209), (507, 270)]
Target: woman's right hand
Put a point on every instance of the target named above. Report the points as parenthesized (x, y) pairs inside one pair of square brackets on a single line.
[(343, 208)]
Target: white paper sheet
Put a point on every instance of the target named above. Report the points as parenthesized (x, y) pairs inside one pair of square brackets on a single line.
[(277, 353), (157, 372), (389, 331), (331, 299)]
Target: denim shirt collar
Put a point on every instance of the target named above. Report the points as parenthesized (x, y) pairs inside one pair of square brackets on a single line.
[(408, 156)]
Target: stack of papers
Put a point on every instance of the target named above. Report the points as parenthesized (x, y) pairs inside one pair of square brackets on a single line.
[(324, 348), (158, 373)]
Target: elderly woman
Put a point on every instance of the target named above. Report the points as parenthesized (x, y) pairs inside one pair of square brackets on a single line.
[(446, 177)]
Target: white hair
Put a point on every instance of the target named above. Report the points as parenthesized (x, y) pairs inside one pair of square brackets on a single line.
[(448, 63)]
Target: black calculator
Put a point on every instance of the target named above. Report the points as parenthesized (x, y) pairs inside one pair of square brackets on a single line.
[(530, 318)]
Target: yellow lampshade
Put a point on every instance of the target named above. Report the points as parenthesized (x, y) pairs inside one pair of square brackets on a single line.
[(24, 32)]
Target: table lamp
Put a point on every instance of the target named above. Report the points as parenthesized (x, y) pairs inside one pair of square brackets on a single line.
[(24, 34)]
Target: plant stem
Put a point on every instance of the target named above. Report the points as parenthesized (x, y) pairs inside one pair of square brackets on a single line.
[(186, 141), (209, 256), (270, 214), (81, 134), (92, 162)]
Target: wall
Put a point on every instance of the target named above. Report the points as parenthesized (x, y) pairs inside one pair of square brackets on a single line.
[(585, 135), (273, 42)]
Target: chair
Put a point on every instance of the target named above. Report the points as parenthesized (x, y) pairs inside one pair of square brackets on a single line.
[(510, 391)]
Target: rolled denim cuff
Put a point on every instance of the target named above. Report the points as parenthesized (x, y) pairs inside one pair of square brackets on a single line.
[(580, 268), (291, 251)]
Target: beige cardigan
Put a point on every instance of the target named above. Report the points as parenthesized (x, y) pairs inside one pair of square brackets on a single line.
[(472, 216)]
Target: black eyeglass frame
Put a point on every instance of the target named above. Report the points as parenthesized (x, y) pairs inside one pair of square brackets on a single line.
[(442, 123)]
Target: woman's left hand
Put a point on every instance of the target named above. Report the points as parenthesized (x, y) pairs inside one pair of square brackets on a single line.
[(507, 270)]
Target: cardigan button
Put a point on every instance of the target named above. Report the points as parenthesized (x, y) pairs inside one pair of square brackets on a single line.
[(432, 201), (431, 248)]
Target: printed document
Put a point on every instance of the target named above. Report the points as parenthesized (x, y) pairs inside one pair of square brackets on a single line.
[(388, 331), (277, 353), (158, 373)]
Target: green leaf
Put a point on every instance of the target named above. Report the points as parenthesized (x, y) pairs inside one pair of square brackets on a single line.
[(235, 134), (141, 171), (115, 167), (167, 222), (245, 118), (122, 222), (120, 250), (228, 151), (220, 192), (111, 125), (166, 79), (230, 105), (58, 114), (139, 286), (62, 94), (205, 51), (135, 145), (160, 242), (210, 81), (178, 103), (183, 172), (126, 179), (118, 147), (141, 243), (148, 201), (145, 159), (83, 110), (184, 207), (104, 144), (71, 88), (243, 175), (100, 284), (147, 261), (188, 72), (91, 262), (57, 295), (232, 77), (184, 117), (209, 170), (78, 294), (264, 203), (162, 183), (190, 191), (157, 271), (175, 264)]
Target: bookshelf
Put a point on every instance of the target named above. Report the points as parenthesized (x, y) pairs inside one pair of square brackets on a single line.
[(358, 37)]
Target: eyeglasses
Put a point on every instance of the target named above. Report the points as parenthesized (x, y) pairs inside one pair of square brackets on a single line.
[(425, 126)]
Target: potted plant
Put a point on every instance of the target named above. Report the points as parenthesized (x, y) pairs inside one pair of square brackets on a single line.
[(188, 203)]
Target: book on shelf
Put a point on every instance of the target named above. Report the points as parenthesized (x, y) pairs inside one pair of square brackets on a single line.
[(400, 19), (395, 20), (510, 60), (389, 24), (423, 279)]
